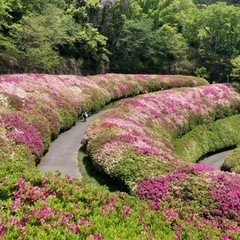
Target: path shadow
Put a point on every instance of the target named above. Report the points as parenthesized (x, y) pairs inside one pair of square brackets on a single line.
[(92, 174)]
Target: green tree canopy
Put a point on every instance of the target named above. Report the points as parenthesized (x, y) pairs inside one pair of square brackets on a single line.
[(214, 34), (142, 49)]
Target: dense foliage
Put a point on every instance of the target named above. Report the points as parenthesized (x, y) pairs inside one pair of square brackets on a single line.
[(149, 142), (34, 109), (131, 36), (47, 207), (141, 132), (210, 138), (232, 161)]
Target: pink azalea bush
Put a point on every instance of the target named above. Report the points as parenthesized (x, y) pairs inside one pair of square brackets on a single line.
[(50, 207), (140, 132), (190, 202), (134, 141), (197, 194), (35, 108)]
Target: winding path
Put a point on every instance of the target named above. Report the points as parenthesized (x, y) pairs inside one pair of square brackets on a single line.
[(216, 160), (63, 152)]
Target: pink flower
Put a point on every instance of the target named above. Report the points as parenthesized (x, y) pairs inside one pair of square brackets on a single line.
[(3, 229), (126, 211), (96, 236)]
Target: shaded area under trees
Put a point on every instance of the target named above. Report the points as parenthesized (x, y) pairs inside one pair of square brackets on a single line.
[(128, 36)]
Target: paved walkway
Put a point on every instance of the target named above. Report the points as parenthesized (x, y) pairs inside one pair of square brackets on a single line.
[(216, 160), (63, 152)]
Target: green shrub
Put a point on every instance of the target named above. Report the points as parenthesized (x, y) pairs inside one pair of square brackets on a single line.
[(232, 161), (208, 138)]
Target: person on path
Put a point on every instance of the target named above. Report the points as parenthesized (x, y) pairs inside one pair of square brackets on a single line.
[(84, 116)]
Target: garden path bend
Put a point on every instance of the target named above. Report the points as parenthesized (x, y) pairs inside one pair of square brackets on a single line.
[(216, 160), (63, 151)]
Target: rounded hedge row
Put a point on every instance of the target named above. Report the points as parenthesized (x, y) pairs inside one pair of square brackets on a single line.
[(232, 161), (33, 110), (209, 138), (136, 137), (137, 141)]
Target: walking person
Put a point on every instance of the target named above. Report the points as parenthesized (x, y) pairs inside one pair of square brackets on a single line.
[(84, 116)]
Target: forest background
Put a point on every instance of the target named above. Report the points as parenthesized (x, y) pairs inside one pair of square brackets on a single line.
[(191, 37)]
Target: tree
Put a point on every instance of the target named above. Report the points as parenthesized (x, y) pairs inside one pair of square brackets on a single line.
[(171, 12), (235, 74), (48, 36), (141, 49), (87, 45), (214, 35), (208, 2), (38, 35)]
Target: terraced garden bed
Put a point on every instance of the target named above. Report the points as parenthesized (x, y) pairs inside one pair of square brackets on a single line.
[(148, 143), (34, 110)]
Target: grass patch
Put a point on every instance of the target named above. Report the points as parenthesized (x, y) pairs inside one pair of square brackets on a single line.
[(92, 175)]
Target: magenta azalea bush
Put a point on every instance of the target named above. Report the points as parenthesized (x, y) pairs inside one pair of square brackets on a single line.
[(140, 133), (135, 142), (197, 194), (60, 208), (34, 109)]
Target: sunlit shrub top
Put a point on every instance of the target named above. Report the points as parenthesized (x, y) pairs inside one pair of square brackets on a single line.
[(35, 107), (147, 125), (134, 139)]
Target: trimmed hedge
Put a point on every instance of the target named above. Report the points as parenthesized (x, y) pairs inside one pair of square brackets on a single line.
[(135, 138), (134, 141), (232, 161), (34, 109), (208, 138)]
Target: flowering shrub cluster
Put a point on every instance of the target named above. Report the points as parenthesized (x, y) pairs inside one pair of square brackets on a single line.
[(35, 108), (140, 132), (60, 208), (197, 194), (50, 207), (22, 132), (135, 142)]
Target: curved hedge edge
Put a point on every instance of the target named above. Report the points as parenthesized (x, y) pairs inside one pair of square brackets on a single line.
[(113, 140), (232, 161), (57, 101), (204, 139)]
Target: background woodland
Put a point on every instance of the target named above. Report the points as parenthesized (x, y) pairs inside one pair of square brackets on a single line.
[(199, 37)]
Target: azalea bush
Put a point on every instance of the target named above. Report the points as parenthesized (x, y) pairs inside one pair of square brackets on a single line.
[(50, 207), (35, 108), (134, 141), (136, 137), (139, 141), (232, 161), (197, 194)]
